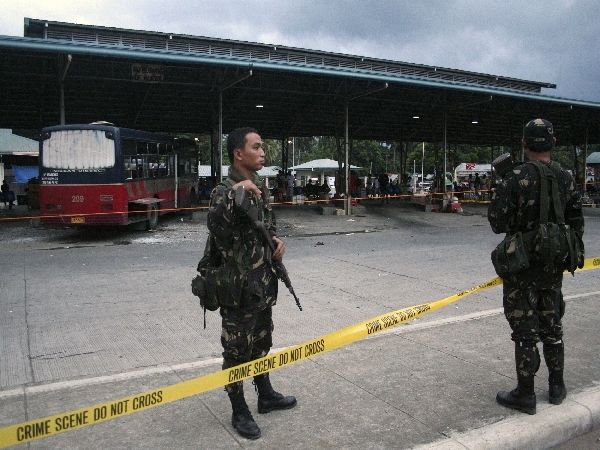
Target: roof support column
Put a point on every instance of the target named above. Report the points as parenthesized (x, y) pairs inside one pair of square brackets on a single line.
[(61, 83), (445, 149), (522, 140), (285, 153), (214, 163), (404, 162), (220, 138), (575, 162), (585, 155), (348, 199), (348, 202)]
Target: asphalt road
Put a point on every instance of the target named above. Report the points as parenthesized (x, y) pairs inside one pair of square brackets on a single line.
[(79, 304)]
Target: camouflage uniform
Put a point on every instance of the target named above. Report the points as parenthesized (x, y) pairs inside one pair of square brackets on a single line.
[(532, 299), (247, 324)]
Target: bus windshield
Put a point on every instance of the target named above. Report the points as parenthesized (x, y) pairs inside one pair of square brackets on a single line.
[(79, 150)]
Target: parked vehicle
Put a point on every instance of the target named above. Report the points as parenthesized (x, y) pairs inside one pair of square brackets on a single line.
[(99, 174)]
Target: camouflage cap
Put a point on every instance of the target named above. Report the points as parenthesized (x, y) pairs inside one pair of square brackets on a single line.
[(539, 135)]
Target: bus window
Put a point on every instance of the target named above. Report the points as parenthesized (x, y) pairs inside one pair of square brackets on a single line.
[(128, 168), (133, 168), (141, 148), (152, 164), (163, 166), (142, 166), (128, 147), (79, 149)]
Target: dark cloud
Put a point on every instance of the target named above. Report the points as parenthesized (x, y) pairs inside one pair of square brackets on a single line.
[(554, 41)]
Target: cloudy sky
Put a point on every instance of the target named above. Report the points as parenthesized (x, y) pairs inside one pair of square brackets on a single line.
[(556, 41)]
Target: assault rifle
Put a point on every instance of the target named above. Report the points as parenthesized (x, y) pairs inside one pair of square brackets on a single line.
[(504, 164), (245, 203)]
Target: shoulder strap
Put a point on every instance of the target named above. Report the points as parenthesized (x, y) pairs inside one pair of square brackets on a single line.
[(558, 206), (227, 182), (546, 173), (544, 200)]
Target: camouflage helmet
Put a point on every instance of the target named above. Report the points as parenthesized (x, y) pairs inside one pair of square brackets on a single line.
[(539, 135)]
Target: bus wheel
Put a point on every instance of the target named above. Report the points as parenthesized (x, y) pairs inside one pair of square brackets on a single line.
[(152, 220)]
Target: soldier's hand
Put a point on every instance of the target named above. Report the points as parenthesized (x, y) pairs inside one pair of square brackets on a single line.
[(249, 186), (279, 249)]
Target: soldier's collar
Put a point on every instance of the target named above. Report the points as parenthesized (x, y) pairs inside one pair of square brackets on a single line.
[(236, 175)]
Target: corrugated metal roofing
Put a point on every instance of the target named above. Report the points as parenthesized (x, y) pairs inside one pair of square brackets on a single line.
[(253, 51), (160, 82)]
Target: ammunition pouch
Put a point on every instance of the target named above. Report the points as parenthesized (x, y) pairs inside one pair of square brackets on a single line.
[(205, 290), (510, 256), (219, 282), (551, 246), (218, 286), (558, 245)]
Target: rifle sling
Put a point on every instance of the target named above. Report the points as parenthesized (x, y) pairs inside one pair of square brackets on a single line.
[(546, 173)]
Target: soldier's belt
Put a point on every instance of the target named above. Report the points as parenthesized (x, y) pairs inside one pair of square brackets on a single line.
[(76, 419)]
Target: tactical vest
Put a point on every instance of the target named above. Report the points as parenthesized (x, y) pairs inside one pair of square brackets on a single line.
[(552, 244)]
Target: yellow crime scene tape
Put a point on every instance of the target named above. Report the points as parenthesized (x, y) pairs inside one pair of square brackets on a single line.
[(279, 203), (76, 419)]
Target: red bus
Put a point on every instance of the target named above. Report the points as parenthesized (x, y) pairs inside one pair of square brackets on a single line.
[(99, 174)]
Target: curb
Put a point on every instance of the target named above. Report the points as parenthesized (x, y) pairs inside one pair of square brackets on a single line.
[(551, 426)]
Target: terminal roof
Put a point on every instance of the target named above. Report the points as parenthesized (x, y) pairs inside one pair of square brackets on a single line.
[(171, 82)]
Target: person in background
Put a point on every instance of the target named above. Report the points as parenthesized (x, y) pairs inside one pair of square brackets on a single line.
[(353, 184), (290, 185), (324, 189), (477, 185), (8, 197), (384, 181)]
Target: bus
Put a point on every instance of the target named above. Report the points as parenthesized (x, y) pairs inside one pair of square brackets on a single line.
[(100, 174)]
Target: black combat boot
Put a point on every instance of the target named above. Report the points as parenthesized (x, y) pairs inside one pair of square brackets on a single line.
[(241, 419), (554, 354), (522, 398), (557, 391), (269, 399)]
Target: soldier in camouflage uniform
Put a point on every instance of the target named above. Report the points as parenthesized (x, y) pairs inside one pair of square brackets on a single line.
[(532, 299), (246, 312)]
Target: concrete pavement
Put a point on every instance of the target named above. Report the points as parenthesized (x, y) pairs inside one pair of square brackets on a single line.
[(430, 384)]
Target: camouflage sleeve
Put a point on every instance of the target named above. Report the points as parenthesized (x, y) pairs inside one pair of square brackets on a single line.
[(269, 214), (502, 209), (220, 213), (573, 208)]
